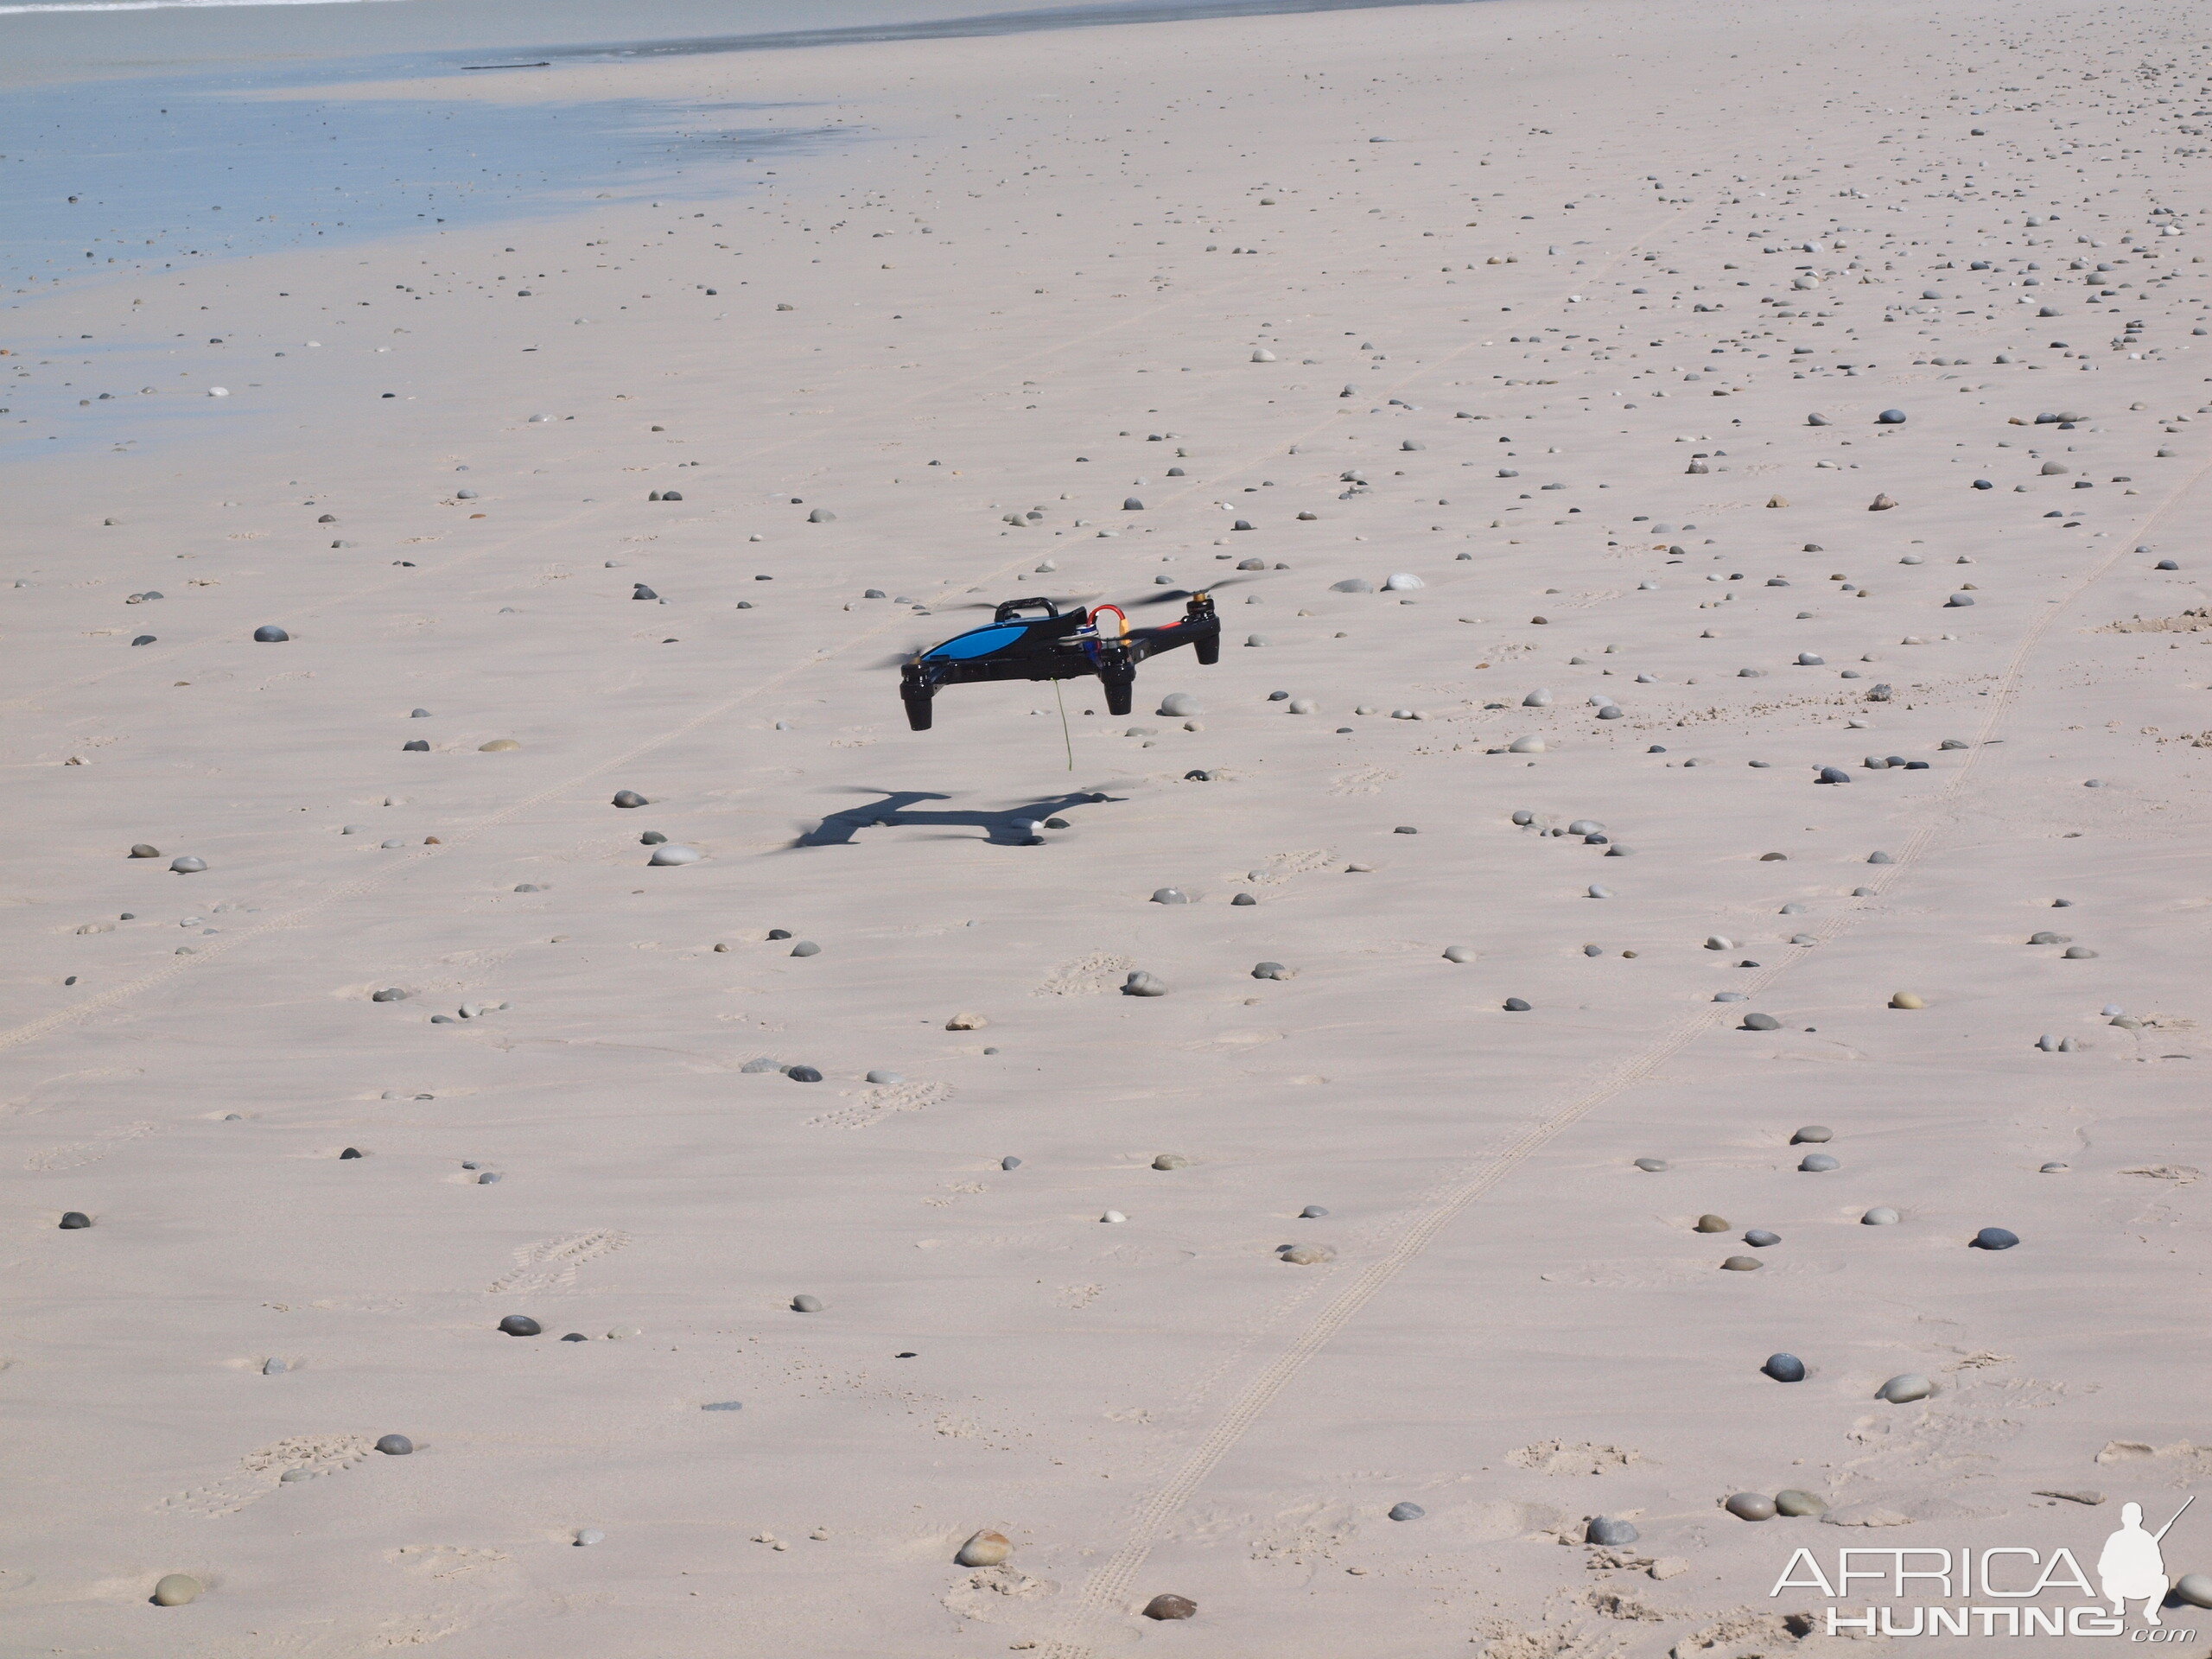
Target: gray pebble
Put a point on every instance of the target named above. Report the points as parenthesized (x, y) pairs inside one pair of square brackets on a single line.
[(270, 634), (586, 1536), (806, 1305), (73, 1219), (1602, 893), (1171, 1160), (520, 1324), (723, 1405), (1709, 1222), (1170, 896), (274, 1367), (806, 947), (389, 993), (1009, 1162), (1742, 1264), (1880, 1215), (1243, 898), (1761, 1022), (1140, 983), (1407, 1511), (1352, 585), (761, 1063), (396, 1445), (1270, 971), (1652, 1166), (2052, 1169), (1834, 775), (1759, 1239), (629, 797), (1604, 1530), (1458, 953), (1880, 858), (1516, 1005), (1995, 1238), (803, 1074), (884, 1077), (1751, 1506), (1795, 1503), (1813, 1134), (187, 865), (2195, 1588), (1818, 1163), (1311, 1212), (1785, 1368), (1905, 1387), (145, 850), (416, 746), (2077, 953)]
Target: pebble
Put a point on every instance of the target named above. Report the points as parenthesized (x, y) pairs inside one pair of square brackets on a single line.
[(1796, 1503), (1526, 745), (1166, 1607), (1995, 1238), (1407, 1511), (1652, 1166), (1170, 896), (270, 634), (1140, 983), (521, 1324), (187, 865), (1311, 1212), (1813, 1134), (145, 850), (809, 948), (1171, 1160), (1516, 1005), (1112, 1218), (1270, 971), (2052, 1169), (1761, 1022), (1458, 953), (673, 853), (1178, 705), (2195, 1588), (389, 993), (1880, 1215), (985, 1549), (1305, 1255), (1905, 1387), (1906, 1000), (1604, 1530), (73, 1219), (629, 797), (803, 1074), (1758, 1238), (1709, 1223), (499, 746), (2076, 953), (1600, 892), (1818, 1163), (586, 1536), (806, 1305), (1751, 1506), (396, 1445), (885, 1077), (723, 1405), (1785, 1368), (1009, 1162), (1743, 1264), (175, 1589), (1243, 898)]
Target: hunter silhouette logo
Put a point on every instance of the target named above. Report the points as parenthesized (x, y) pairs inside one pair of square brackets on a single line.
[(2132, 1566), (2008, 1590)]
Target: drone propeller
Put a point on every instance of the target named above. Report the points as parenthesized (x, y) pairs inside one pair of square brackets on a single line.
[(1065, 601), (1176, 595)]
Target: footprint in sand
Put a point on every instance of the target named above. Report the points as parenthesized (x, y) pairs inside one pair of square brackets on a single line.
[(552, 1262), (1574, 1457), (1086, 976), (86, 1152), (302, 1457), (446, 1561), (873, 1105)]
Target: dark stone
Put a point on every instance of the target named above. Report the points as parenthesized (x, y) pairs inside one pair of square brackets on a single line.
[(270, 634), (350, 1151), (779, 933), (1995, 1238), (1785, 1368), (395, 1445), (576, 1336), (416, 746), (639, 590), (1604, 1530), (1407, 1511), (74, 1220), (803, 1074), (1171, 1606), (629, 797), (521, 1324)]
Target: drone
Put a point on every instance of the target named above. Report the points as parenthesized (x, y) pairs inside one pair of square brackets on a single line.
[(1056, 645)]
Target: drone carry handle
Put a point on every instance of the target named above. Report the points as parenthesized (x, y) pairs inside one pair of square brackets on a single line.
[(1007, 607)]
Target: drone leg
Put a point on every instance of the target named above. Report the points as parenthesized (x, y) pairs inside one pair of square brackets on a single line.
[(1120, 679), (1208, 649), (918, 698)]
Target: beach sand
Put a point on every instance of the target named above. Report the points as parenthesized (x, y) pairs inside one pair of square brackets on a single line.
[(1546, 294)]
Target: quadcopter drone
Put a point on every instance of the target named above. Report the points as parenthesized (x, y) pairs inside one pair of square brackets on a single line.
[(1057, 645)]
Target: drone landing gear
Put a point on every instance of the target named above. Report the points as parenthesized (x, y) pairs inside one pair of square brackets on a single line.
[(1120, 679), (1207, 648), (919, 706)]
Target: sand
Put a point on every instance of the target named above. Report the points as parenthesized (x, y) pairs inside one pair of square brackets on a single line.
[(1036, 279)]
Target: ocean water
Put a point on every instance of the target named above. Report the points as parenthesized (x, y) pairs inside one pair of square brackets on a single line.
[(143, 136)]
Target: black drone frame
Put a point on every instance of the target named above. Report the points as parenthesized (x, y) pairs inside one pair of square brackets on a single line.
[(1058, 645)]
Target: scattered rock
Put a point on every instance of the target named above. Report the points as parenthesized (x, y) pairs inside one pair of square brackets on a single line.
[(1604, 1530), (1785, 1368), (1880, 1215), (1709, 1222), (521, 1324), (1905, 1387), (1166, 1607), (1995, 1238), (175, 1589), (985, 1549), (1407, 1511), (270, 634), (806, 1304), (1818, 1163), (1751, 1506), (1140, 983), (395, 1445), (1795, 1503), (673, 853), (1305, 1255), (73, 1219)]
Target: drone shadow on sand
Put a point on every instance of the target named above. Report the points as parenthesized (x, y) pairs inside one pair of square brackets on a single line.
[(897, 810)]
